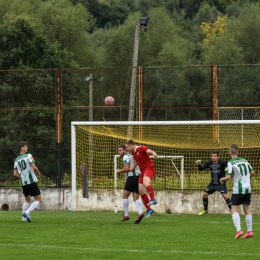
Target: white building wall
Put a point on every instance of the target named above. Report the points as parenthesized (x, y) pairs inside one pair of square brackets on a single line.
[(177, 202)]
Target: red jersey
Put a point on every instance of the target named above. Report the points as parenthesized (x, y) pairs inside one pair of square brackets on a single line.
[(142, 157)]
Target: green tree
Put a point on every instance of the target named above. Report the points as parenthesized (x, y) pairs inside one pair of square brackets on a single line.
[(22, 47)]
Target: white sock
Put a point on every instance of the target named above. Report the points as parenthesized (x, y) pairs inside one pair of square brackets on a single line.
[(138, 204), (236, 220), (25, 206), (33, 206), (249, 222), (125, 205)]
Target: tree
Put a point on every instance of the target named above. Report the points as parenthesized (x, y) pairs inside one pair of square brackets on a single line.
[(22, 47)]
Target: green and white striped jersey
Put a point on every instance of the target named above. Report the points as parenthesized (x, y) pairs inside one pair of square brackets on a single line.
[(128, 159), (240, 170), (23, 165)]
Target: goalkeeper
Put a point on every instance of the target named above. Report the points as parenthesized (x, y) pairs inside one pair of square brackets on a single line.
[(217, 168)]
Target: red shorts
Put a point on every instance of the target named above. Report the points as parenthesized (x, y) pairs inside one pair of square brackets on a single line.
[(149, 172)]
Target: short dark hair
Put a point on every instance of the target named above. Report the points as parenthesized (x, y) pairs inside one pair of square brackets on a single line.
[(215, 152), (130, 141), (22, 144), (122, 146)]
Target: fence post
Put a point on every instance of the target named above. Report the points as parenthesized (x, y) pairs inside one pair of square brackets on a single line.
[(215, 102), (58, 75)]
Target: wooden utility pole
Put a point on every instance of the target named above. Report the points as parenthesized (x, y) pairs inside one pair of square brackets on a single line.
[(133, 79), (134, 69)]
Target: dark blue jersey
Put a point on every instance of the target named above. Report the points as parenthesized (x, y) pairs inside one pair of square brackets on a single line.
[(217, 169)]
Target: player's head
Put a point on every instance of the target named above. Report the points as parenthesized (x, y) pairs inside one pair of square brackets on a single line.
[(214, 156), (233, 150), (23, 146), (130, 145), (121, 150)]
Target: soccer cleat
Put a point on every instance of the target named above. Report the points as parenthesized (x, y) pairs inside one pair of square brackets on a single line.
[(203, 212), (149, 213), (152, 202), (27, 217), (248, 234), (125, 218), (239, 234), (139, 218)]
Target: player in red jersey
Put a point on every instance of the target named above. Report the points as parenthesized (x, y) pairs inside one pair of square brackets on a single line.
[(141, 155)]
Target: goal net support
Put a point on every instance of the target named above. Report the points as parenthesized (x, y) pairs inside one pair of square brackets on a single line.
[(178, 145)]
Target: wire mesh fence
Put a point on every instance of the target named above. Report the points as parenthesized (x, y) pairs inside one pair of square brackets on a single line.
[(38, 106)]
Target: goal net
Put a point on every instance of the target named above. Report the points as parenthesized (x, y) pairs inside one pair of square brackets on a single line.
[(178, 145)]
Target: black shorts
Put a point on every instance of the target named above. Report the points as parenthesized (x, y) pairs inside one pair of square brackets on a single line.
[(31, 190), (238, 199), (211, 188), (131, 184)]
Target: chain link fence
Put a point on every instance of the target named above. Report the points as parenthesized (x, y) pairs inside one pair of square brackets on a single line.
[(38, 106)]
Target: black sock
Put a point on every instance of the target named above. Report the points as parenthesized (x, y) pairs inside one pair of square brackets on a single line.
[(205, 203), (228, 201)]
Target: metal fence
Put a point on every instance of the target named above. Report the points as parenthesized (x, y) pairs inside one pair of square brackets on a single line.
[(37, 106)]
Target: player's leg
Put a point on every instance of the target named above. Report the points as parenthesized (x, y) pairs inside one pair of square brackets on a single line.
[(227, 199), (145, 199), (235, 215), (222, 188), (27, 197), (205, 202), (248, 218), (35, 192), (147, 178), (25, 206), (125, 203), (138, 204)]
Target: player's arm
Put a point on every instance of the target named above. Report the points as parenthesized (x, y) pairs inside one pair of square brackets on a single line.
[(16, 173), (223, 179), (133, 167), (35, 168), (126, 168), (229, 170), (151, 152), (201, 166), (252, 174)]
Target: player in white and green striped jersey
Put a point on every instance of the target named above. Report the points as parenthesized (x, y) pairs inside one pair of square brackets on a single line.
[(131, 184), (241, 171), (25, 168)]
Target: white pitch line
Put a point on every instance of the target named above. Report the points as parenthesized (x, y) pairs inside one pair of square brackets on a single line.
[(132, 250)]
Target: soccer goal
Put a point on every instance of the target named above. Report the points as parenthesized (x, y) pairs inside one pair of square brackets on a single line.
[(178, 145)]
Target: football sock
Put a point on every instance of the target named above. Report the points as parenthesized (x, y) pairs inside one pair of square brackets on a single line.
[(236, 221), (150, 191), (125, 206), (249, 222), (145, 200), (205, 203), (25, 206), (33, 206), (138, 204), (228, 201)]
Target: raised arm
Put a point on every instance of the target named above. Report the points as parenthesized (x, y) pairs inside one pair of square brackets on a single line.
[(151, 152)]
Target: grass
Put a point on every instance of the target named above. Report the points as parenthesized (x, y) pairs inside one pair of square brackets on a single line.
[(101, 235)]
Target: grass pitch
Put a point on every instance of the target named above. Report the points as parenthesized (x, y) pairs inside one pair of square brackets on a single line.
[(101, 235)]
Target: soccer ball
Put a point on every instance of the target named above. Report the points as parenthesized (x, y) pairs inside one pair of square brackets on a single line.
[(109, 101)]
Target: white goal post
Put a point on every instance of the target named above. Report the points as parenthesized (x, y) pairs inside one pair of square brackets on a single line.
[(216, 123), (180, 171)]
